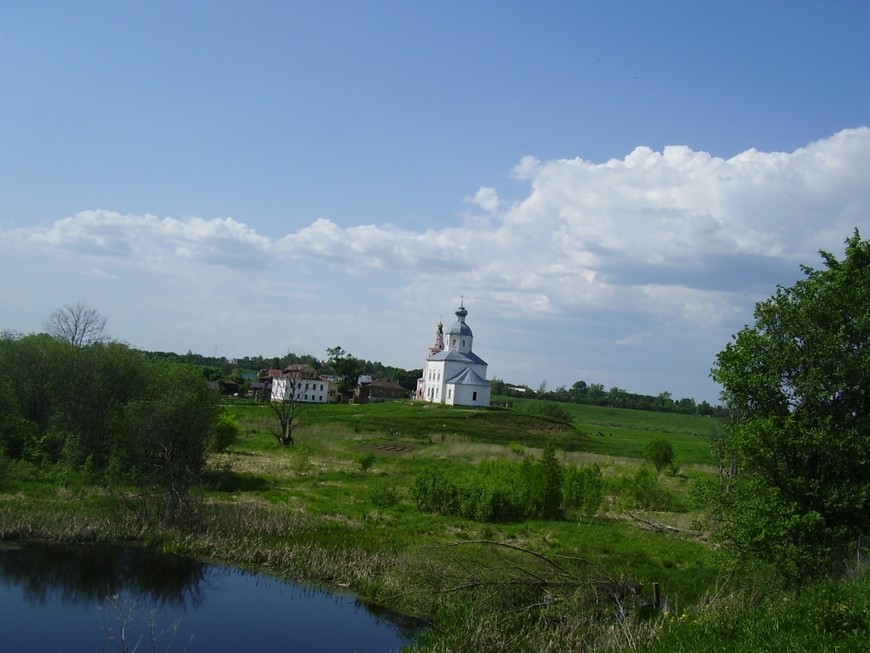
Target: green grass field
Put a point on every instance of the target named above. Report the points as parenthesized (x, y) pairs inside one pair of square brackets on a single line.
[(594, 429), (322, 474), (338, 508)]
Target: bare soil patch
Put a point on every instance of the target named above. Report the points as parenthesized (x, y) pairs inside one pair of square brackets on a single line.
[(389, 449)]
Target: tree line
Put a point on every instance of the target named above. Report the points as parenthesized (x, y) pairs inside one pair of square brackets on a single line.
[(347, 367), (594, 394), (109, 412), (338, 363)]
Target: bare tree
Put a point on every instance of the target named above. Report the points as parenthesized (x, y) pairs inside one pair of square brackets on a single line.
[(286, 407), (77, 324)]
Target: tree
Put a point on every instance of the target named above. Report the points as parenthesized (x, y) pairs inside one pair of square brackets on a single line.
[(578, 391), (161, 437), (77, 324), (346, 369), (798, 382), (595, 393), (660, 453), (287, 408)]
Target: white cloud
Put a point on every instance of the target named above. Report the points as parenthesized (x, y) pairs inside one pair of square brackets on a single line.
[(147, 239), (672, 219), (486, 198), (527, 168), (676, 241)]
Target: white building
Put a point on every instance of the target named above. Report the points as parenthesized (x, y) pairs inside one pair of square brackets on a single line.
[(301, 384), (454, 374)]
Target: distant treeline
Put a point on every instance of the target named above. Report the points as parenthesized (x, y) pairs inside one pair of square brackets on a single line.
[(242, 371), (594, 394)]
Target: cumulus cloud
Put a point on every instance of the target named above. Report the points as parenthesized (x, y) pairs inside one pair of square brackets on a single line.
[(147, 239), (670, 233), (486, 198)]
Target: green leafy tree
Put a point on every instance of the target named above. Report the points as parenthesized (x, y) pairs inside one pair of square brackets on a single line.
[(798, 384), (162, 437), (28, 367), (104, 406), (660, 453), (97, 380), (595, 393), (346, 369)]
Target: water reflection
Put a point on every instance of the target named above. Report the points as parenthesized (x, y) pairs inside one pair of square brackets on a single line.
[(90, 572), (120, 598)]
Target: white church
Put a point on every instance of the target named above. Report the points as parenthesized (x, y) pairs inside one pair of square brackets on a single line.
[(453, 373)]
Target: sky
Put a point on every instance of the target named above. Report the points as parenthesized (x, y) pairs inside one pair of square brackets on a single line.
[(609, 186)]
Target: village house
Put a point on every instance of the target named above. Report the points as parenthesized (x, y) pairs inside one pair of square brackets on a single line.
[(378, 390), (300, 383)]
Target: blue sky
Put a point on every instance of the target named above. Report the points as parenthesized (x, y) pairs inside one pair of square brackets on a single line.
[(611, 185)]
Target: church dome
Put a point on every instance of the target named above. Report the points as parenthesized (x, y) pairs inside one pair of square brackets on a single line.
[(460, 328)]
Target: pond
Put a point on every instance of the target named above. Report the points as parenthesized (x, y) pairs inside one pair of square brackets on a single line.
[(86, 598)]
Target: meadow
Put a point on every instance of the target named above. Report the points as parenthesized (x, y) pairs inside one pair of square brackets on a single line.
[(356, 465), (628, 566)]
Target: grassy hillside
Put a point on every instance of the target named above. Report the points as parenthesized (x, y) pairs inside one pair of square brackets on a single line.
[(593, 429), (428, 422), (324, 474), (625, 432)]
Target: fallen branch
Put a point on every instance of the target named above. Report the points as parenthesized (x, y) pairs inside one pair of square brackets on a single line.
[(655, 525)]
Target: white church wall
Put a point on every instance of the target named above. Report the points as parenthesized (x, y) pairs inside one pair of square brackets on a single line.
[(469, 395)]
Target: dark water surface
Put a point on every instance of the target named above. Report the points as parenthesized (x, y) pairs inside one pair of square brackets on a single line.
[(87, 598)]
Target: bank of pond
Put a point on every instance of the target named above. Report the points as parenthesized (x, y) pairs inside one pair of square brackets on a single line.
[(100, 597)]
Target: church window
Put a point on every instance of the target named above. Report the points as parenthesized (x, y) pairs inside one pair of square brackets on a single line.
[(474, 396)]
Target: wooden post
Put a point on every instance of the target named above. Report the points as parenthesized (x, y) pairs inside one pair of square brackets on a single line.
[(657, 596)]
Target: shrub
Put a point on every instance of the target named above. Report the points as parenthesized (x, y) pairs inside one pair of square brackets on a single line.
[(384, 495), (4, 465), (517, 448), (433, 492), (547, 409), (643, 490), (225, 432), (660, 453), (543, 480), (367, 460), (583, 489), (496, 490), (301, 464)]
